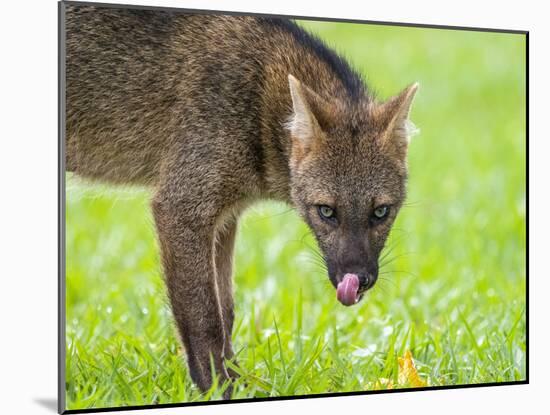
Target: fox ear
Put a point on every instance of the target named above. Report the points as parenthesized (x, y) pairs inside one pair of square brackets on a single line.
[(398, 127), (310, 114)]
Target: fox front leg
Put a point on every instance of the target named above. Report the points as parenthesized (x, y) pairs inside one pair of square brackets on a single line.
[(187, 249), (225, 243)]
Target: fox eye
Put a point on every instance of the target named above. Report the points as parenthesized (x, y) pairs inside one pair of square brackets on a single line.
[(326, 212), (381, 212)]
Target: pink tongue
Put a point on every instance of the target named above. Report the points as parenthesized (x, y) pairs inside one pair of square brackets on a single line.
[(347, 289)]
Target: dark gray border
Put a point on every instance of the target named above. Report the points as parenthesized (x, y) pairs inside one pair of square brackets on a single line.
[(62, 200), (314, 18), (61, 290)]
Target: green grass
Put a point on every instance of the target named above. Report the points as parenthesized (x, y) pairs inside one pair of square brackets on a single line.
[(454, 291)]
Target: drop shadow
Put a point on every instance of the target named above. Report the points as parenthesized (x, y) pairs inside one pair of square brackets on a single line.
[(48, 403)]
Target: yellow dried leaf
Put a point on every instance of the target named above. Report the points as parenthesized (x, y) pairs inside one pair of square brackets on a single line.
[(408, 375)]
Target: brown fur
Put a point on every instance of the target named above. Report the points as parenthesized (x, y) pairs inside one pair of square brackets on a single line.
[(215, 112)]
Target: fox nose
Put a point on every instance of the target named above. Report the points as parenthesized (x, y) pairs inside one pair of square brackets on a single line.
[(366, 281)]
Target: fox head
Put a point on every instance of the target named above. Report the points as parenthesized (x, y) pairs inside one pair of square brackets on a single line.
[(348, 178)]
